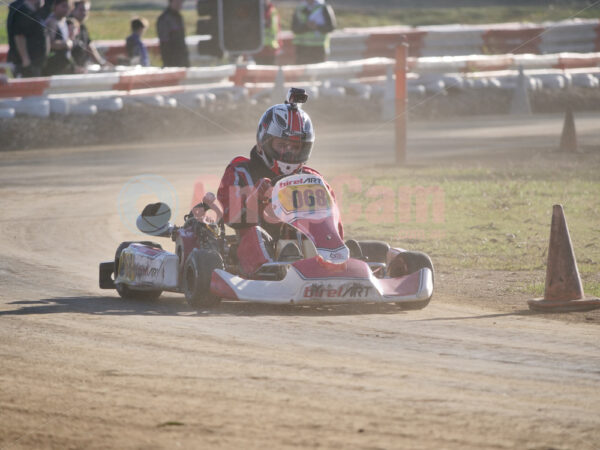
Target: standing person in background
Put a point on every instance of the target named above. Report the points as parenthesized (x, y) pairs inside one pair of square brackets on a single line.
[(29, 45), (46, 9), (83, 49), (313, 21), (171, 35), (59, 61), (271, 36), (12, 8), (136, 50)]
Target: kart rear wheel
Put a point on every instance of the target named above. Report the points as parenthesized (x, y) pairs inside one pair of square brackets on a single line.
[(125, 291), (197, 273), (406, 263)]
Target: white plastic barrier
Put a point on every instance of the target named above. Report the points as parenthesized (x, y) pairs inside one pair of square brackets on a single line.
[(452, 40), (7, 113), (570, 35), (536, 79), (480, 63), (195, 74), (83, 82), (89, 103), (110, 104), (84, 109), (30, 106)]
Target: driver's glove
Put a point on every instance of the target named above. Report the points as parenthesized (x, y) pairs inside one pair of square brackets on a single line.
[(260, 194)]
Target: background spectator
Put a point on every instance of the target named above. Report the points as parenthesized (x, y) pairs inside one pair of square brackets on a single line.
[(12, 8), (270, 38), (73, 25), (29, 45), (59, 61), (83, 49), (312, 22), (136, 50), (171, 35), (46, 9)]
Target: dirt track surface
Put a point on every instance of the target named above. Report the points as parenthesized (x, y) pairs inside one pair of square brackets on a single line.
[(81, 368)]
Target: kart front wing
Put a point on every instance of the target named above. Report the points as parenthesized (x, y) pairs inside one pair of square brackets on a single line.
[(351, 286)]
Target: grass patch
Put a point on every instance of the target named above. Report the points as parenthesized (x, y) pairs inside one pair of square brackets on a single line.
[(536, 288), (489, 218), (592, 289), (109, 19)]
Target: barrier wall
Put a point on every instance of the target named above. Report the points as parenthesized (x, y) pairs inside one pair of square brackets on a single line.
[(127, 80), (194, 88)]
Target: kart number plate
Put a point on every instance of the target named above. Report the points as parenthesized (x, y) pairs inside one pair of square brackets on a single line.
[(305, 198)]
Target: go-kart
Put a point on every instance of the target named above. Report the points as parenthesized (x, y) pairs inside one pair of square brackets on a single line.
[(311, 264)]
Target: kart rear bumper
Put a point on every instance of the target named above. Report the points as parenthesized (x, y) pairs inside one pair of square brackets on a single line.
[(106, 275)]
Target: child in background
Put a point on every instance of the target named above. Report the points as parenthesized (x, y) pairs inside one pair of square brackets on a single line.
[(73, 26), (136, 50)]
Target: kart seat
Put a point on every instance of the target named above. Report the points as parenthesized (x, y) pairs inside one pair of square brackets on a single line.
[(288, 251)]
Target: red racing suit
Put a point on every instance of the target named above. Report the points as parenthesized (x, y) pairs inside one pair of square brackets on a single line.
[(256, 234)]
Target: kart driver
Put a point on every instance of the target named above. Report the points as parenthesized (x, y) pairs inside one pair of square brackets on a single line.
[(284, 141)]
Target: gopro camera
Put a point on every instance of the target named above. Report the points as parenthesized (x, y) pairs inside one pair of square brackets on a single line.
[(296, 95)]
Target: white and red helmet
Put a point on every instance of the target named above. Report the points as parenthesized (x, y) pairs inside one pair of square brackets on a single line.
[(289, 122)]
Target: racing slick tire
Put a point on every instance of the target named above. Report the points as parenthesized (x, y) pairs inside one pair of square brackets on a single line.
[(406, 263), (125, 291), (197, 273)]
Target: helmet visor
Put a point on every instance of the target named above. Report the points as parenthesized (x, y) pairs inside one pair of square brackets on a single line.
[(289, 150)]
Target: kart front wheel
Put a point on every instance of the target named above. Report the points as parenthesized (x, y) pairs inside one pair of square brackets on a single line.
[(406, 263), (197, 273)]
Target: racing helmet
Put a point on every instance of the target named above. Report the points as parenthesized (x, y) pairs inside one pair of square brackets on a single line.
[(285, 138)]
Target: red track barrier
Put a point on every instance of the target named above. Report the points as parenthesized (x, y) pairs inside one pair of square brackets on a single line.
[(129, 81), (519, 40), (566, 62), (385, 43), (24, 87)]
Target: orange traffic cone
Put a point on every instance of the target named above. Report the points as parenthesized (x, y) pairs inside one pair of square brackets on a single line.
[(564, 291), (568, 138)]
